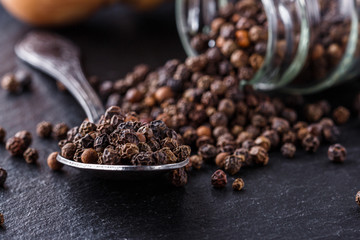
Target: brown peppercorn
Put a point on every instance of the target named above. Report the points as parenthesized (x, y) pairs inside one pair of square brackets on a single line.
[(53, 163), (216, 24), (128, 150), (341, 115), (289, 137), (25, 136), (60, 131), (227, 106), (89, 156), (44, 129), (220, 159), (2, 134), (273, 136), (313, 112), (288, 150), (263, 142), (111, 157), (280, 125), (3, 176), (163, 94), (178, 177), (256, 61), (239, 58), (68, 150), (233, 164), (86, 127), (330, 133), (357, 198), (169, 155), (15, 146), (228, 47), (133, 95), (238, 184), (259, 155), (207, 151), (219, 179), (218, 119), (196, 161), (203, 131), (311, 143), (31, 155), (10, 83), (242, 38), (337, 153), (257, 33)]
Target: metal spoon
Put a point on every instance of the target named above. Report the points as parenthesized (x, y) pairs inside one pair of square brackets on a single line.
[(59, 58)]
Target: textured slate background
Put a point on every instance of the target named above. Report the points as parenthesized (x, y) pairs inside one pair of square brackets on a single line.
[(303, 198)]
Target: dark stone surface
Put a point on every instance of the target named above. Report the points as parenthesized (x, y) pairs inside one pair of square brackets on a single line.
[(304, 198)]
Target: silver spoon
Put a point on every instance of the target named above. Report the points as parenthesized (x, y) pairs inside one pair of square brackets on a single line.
[(59, 58)]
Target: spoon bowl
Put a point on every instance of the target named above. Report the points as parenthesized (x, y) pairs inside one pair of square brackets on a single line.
[(59, 58)]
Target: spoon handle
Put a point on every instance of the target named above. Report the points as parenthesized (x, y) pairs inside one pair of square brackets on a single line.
[(60, 59)]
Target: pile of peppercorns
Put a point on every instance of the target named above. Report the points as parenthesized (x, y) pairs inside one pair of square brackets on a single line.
[(121, 139)]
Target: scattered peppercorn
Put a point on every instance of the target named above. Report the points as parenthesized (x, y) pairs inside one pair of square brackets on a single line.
[(31, 155), (10, 83), (44, 129), (219, 179), (337, 153), (53, 163), (15, 146), (238, 184), (25, 136), (60, 131)]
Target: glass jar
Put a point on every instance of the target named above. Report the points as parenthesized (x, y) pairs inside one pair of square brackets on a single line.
[(311, 44)]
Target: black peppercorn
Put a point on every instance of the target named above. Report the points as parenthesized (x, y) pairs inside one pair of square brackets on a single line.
[(68, 150), (25, 136), (15, 146), (259, 155), (178, 177), (60, 131), (311, 143), (207, 151), (238, 184), (288, 150), (219, 179), (53, 163), (31, 155), (337, 153), (233, 163), (44, 129)]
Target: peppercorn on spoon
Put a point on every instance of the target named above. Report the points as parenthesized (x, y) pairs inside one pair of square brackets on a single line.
[(60, 59)]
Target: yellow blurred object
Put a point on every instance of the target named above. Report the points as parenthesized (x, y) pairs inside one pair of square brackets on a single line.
[(59, 12)]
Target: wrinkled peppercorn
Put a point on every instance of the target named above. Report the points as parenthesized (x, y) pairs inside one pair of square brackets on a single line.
[(220, 159), (53, 163), (178, 177), (10, 83), (233, 163), (288, 150), (259, 155), (238, 184), (219, 179), (310, 143), (207, 151), (31, 155), (25, 136), (337, 153), (196, 161), (15, 146), (44, 129)]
